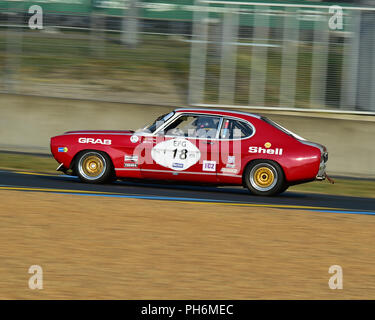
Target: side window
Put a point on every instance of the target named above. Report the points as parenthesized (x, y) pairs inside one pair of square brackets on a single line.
[(193, 126), (234, 129), (158, 122)]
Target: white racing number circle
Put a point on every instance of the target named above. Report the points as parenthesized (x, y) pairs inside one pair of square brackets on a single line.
[(176, 154)]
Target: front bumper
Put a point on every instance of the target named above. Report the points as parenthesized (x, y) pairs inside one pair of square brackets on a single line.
[(62, 168)]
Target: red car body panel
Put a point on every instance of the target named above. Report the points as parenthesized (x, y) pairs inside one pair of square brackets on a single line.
[(300, 160)]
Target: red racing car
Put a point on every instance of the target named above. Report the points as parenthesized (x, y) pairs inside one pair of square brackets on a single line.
[(196, 145)]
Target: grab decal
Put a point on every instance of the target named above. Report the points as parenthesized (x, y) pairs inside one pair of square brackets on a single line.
[(176, 154), (95, 141)]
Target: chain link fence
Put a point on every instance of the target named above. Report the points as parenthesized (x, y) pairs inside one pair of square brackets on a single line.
[(284, 56), (95, 56), (203, 53)]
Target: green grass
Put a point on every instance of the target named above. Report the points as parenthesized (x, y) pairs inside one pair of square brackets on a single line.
[(27, 163), (345, 187), (70, 60)]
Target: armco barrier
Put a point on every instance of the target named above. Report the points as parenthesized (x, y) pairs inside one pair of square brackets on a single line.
[(27, 123)]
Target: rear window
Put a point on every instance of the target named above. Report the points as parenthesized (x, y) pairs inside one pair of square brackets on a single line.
[(281, 128), (234, 129)]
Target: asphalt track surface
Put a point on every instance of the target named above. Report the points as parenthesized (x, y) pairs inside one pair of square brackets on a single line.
[(62, 184)]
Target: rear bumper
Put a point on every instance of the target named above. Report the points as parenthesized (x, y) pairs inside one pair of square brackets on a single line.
[(321, 176), (322, 167)]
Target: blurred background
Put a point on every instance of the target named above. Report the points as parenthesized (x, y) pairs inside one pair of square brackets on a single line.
[(309, 63), (118, 65)]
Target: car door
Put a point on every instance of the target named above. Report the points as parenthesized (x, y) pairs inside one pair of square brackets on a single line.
[(186, 149), (233, 134)]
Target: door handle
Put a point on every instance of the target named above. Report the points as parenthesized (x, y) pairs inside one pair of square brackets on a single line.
[(209, 142)]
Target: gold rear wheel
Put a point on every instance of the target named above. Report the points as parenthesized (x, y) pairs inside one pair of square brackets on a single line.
[(264, 177)]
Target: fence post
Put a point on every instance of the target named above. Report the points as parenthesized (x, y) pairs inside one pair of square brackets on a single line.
[(366, 60), (259, 59), (97, 34), (198, 55), (289, 59), (13, 51), (319, 63), (349, 79), (130, 25), (372, 88), (229, 57)]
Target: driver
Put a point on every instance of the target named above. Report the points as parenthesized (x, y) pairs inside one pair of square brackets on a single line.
[(205, 127)]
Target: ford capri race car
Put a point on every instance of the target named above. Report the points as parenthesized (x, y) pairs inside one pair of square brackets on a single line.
[(196, 145)]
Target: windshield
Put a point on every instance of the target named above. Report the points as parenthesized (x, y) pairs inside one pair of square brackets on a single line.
[(158, 122), (277, 126)]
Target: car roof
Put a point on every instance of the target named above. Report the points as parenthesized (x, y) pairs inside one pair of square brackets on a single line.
[(218, 112)]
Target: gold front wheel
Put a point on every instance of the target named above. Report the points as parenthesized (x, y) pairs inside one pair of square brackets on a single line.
[(93, 167)]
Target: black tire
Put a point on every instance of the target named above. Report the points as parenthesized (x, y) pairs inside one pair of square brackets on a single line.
[(94, 167), (284, 188), (264, 178)]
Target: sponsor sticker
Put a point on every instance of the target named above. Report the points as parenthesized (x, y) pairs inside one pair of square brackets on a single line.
[(209, 165), (268, 145), (131, 165), (277, 151), (178, 165), (229, 170), (131, 158), (95, 141), (231, 159), (62, 149), (231, 163), (134, 139)]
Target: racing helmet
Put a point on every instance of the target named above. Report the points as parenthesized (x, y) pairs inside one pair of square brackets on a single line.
[(206, 123)]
